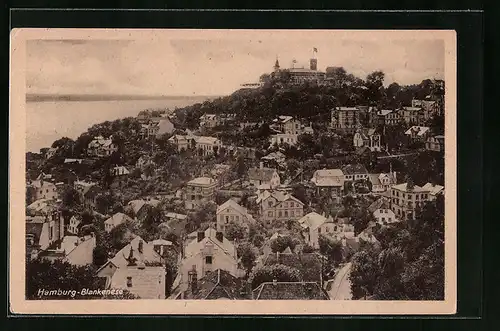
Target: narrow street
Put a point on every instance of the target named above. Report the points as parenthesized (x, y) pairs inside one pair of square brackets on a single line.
[(341, 287)]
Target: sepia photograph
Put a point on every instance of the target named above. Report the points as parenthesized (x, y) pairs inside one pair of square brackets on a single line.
[(313, 171)]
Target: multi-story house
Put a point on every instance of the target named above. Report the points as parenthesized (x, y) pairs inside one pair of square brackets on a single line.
[(413, 115), (101, 147), (330, 181), (405, 198), (43, 230), (75, 250), (182, 142), (430, 107), (353, 172), (418, 133), (367, 138), (288, 125), (231, 212), (267, 177), (284, 138), (73, 226), (90, 197), (435, 143), (381, 211), (199, 190), (348, 118), (278, 205), (207, 145), (209, 120), (119, 175), (313, 225), (138, 268), (391, 117), (209, 251), (82, 187), (382, 182), (41, 189)]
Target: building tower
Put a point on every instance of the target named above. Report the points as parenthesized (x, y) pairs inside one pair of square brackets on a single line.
[(276, 65), (313, 64)]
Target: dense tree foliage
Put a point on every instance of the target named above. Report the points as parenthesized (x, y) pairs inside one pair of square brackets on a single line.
[(409, 264), (57, 275), (278, 272)]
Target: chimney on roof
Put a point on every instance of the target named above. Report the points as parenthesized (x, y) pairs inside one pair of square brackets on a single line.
[(201, 235), (140, 247), (219, 236), (193, 276)]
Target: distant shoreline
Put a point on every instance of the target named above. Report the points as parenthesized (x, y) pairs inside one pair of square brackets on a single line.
[(110, 97)]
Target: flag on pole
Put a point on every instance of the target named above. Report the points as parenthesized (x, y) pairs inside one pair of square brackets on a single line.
[(315, 50), (294, 61)]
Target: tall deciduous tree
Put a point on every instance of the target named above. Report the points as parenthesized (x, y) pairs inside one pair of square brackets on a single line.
[(278, 272)]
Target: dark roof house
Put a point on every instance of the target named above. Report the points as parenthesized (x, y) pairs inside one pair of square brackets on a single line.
[(262, 174), (353, 169), (289, 291), (217, 284)]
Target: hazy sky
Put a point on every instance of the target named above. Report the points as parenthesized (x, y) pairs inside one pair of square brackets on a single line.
[(212, 67)]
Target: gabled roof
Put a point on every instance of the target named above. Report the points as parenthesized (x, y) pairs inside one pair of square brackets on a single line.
[(353, 169), (289, 291), (278, 195), (117, 219), (403, 187), (217, 284), (206, 140), (148, 254), (121, 170), (202, 181), (309, 264), (93, 191), (418, 130), (175, 215), (274, 156), (384, 112), (232, 204), (433, 189), (379, 204), (264, 174), (312, 220), (195, 246), (328, 177)]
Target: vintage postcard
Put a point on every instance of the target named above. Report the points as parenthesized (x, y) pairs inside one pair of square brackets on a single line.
[(299, 172)]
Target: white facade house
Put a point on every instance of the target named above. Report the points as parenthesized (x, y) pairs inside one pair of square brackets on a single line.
[(209, 251)]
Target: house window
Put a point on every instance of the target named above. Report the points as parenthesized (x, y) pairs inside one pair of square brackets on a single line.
[(383, 219), (319, 230), (292, 213), (270, 204), (280, 214), (208, 259), (232, 218), (291, 205), (129, 281), (286, 213), (327, 229), (227, 219), (270, 214), (237, 218), (285, 204)]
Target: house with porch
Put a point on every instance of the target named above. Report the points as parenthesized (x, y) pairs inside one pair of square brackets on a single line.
[(329, 181)]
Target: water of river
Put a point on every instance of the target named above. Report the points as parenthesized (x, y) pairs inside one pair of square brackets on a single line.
[(48, 121)]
